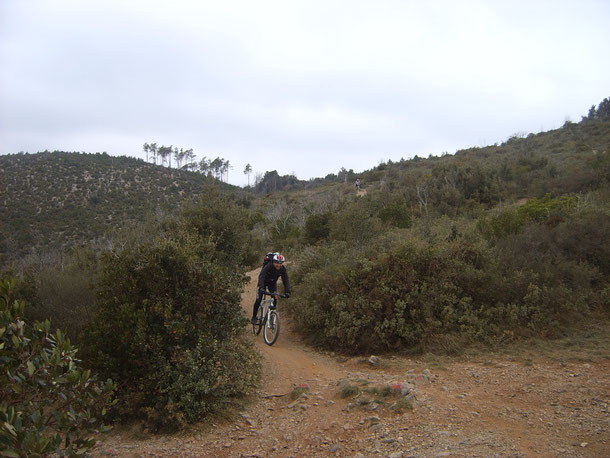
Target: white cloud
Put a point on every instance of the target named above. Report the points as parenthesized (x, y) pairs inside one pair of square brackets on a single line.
[(295, 86)]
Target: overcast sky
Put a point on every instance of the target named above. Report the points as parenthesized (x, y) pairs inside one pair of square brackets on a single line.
[(303, 87)]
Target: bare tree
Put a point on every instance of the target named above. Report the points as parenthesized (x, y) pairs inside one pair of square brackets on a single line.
[(204, 165), (280, 215), (164, 152), (153, 149), (226, 165), (146, 149), (422, 196), (179, 157), (248, 171)]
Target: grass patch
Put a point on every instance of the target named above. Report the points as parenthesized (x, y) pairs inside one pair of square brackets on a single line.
[(387, 391), (401, 405), (375, 397), (578, 344), (349, 390), (298, 390)]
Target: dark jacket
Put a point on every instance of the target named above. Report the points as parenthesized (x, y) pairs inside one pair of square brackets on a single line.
[(269, 275)]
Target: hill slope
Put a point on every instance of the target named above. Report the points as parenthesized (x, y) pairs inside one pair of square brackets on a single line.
[(61, 199)]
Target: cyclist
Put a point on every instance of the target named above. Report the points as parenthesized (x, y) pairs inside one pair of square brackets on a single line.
[(268, 279)]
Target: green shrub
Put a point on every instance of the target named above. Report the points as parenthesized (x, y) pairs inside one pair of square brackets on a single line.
[(349, 390), (355, 222), (169, 330), (317, 227), (390, 300), (442, 288), (396, 213), (513, 220), (220, 216), (48, 404), (60, 288), (404, 403)]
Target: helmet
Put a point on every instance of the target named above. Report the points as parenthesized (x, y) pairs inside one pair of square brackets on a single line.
[(278, 258)]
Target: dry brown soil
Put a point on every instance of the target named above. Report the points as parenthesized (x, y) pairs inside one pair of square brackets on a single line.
[(528, 405)]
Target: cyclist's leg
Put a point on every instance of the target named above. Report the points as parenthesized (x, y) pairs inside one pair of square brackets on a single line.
[(257, 303), (272, 287)]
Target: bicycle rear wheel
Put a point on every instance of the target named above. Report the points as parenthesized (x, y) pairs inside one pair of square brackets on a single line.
[(256, 328), (272, 328)]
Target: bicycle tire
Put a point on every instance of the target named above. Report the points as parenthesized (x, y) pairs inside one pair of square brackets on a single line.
[(272, 328), (256, 328)]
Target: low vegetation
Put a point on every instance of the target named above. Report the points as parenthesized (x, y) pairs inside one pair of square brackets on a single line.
[(49, 404), (169, 326), (437, 287), (446, 252)]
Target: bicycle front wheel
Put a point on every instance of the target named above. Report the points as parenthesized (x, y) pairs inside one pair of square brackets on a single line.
[(272, 328)]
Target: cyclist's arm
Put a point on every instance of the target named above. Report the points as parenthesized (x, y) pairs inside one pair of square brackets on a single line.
[(285, 280)]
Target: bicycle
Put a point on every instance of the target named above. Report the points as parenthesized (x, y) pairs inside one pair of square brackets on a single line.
[(268, 318)]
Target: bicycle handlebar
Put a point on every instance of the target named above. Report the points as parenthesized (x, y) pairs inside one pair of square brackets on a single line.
[(267, 293)]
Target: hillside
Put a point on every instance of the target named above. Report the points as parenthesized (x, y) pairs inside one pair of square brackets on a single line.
[(59, 199), (62, 199)]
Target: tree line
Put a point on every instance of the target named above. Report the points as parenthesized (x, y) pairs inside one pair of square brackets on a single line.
[(186, 159)]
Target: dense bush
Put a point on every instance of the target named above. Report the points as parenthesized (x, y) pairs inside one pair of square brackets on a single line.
[(48, 404), (356, 221), (396, 214), (226, 221), (59, 287), (316, 227), (437, 287), (393, 299), (511, 221), (169, 330)]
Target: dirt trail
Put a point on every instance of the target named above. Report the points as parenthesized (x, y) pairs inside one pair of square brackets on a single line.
[(527, 407), (287, 362)]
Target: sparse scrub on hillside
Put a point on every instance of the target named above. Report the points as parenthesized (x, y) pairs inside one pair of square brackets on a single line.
[(548, 210), (62, 200), (491, 241)]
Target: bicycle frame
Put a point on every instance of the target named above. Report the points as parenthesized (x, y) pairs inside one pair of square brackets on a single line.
[(269, 319)]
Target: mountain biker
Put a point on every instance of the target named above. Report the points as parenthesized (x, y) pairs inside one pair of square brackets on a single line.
[(268, 279)]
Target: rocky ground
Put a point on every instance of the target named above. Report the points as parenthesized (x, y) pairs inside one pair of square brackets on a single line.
[(314, 404)]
